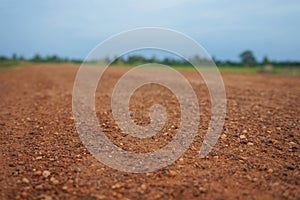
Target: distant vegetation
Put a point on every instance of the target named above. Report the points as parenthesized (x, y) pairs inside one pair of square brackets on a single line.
[(247, 62), (14, 60), (39, 59)]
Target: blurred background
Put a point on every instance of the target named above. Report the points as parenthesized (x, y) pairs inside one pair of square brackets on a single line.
[(235, 33)]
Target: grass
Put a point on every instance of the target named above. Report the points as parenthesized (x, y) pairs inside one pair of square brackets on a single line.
[(282, 70), (231, 69), (8, 64), (295, 71)]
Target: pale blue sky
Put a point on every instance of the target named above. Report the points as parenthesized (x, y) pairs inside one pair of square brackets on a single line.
[(71, 28)]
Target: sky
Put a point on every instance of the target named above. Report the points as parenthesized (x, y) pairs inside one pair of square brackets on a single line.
[(225, 28)]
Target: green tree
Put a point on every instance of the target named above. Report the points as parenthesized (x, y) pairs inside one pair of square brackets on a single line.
[(14, 56), (266, 60), (3, 58), (247, 58), (136, 59), (37, 58)]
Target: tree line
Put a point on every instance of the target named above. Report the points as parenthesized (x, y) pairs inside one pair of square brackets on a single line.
[(247, 58), (37, 58)]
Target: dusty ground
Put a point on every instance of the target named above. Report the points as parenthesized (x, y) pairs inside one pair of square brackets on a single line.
[(42, 157)]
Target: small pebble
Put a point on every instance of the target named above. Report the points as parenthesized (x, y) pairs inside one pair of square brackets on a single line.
[(24, 194), (172, 173), (202, 190), (46, 173), (214, 154), (21, 163), (77, 169), (39, 187), (11, 164), (249, 177), (262, 134), (242, 137), (148, 174), (243, 158), (54, 180), (117, 186), (223, 136), (39, 158), (290, 166), (65, 187), (216, 157), (25, 180), (143, 188)]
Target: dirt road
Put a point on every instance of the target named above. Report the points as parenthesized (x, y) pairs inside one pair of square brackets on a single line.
[(42, 157)]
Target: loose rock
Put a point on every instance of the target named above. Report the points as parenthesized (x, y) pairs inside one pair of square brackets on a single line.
[(39, 187), (25, 180), (39, 158), (172, 173), (54, 180), (290, 166), (242, 137), (11, 164), (77, 169), (223, 136), (46, 173), (65, 187), (117, 186), (31, 132), (202, 190), (143, 188)]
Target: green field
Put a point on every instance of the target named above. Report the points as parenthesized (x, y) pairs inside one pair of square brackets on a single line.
[(284, 70), (250, 70), (8, 64)]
